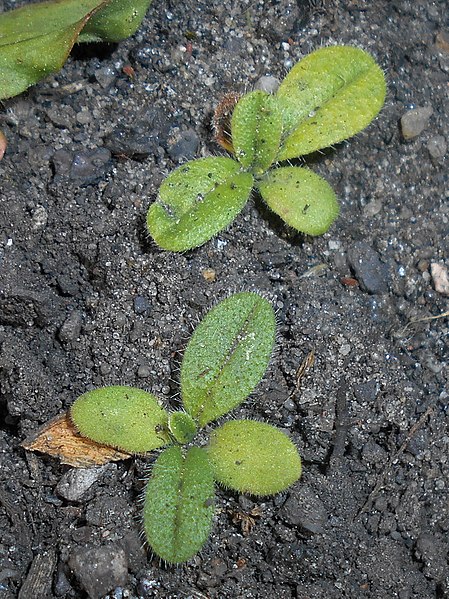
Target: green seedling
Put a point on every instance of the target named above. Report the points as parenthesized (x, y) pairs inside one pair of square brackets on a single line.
[(35, 40), (330, 95), (224, 361)]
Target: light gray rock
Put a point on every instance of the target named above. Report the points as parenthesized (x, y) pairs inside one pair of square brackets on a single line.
[(413, 122)]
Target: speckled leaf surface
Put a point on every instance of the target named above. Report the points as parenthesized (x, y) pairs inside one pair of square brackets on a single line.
[(179, 504), (227, 356), (196, 201), (253, 457), (303, 199), (330, 95), (256, 128), (124, 417)]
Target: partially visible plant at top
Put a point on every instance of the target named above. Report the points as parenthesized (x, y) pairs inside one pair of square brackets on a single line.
[(330, 95), (224, 361), (35, 40)]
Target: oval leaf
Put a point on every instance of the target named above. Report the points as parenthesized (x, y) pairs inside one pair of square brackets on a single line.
[(196, 201), (179, 504), (303, 199), (124, 417), (253, 457), (227, 356), (327, 97), (256, 129)]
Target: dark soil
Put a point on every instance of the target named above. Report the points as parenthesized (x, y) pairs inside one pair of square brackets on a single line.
[(87, 299)]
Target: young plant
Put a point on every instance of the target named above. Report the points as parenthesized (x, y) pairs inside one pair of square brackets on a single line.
[(224, 361), (36, 39), (330, 95)]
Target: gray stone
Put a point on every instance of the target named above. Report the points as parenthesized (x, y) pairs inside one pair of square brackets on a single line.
[(76, 482), (141, 139), (84, 168), (71, 328), (371, 273), (305, 509), (267, 84), (99, 570), (141, 304), (185, 147), (437, 147), (413, 122)]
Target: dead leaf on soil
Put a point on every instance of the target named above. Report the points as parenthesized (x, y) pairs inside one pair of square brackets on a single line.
[(59, 438)]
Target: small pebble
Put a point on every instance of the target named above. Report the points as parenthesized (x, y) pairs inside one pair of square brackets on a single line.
[(71, 328), (437, 147), (185, 147), (143, 371), (304, 508), (267, 84), (371, 273), (77, 481), (414, 121), (141, 304), (39, 220), (209, 275), (99, 570), (440, 278), (105, 76)]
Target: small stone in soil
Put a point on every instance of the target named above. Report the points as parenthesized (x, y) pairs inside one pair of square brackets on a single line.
[(71, 328), (437, 147), (185, 147), (371, 273), (267, 84), (413, 122), (99, 570), (76, 482), (304, 508)]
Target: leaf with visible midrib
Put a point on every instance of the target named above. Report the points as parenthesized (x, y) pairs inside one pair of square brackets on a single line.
[(179, 504), (227, 356), (328, 96), (196, 201)]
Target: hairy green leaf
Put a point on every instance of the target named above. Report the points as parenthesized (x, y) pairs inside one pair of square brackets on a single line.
[(303, 199), (124, 417), (116, 21), (227, 356), (256, 128), (182, 427), (253, 457), (179, 504), (330, 95), (36, 39), (196, 201)]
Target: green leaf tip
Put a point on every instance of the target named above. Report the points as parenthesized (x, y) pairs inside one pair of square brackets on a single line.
[(179, 504), (303, 199), (123, 417), (253, 457), (196, 201), (227, 356), (256, 129), (328, 96), (182, 427), (36, 39)]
